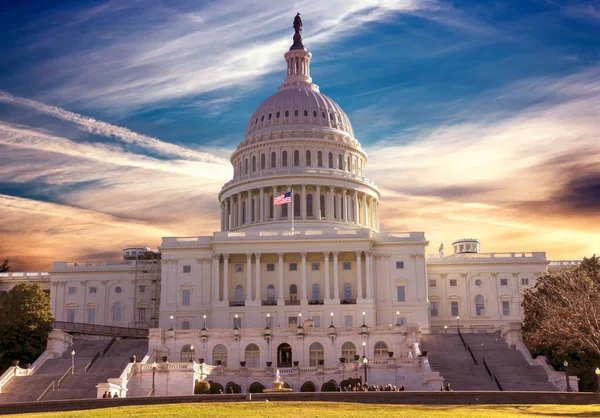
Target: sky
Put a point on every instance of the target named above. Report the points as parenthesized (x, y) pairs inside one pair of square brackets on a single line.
[(117, 118)]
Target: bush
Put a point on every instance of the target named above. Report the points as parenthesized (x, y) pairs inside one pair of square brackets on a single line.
[(344, 383), (256, 388), (232, 387), (330, 386), (308, 387), (355, 382), (215, 387), (201, 387)]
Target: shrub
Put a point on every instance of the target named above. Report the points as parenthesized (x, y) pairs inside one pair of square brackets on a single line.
[(308, 387), (201, 387), (330, 386), (232, 387), (214, 387), (344, 383), (256, 388)]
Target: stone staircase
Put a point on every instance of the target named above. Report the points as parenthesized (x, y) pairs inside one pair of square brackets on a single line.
[(509, 365), (448, 356)]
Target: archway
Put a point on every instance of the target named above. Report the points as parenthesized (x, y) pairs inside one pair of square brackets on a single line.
[(284, 355)]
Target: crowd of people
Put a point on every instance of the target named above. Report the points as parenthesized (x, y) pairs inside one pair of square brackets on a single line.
[(371, 388), (109, 395)]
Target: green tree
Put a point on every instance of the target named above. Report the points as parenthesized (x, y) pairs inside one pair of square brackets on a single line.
[(26, 321)]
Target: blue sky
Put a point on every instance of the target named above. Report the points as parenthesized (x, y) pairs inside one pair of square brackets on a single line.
[(117, 118)]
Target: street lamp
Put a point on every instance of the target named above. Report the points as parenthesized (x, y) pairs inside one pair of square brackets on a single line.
[(193, 353), (236, 322), (73, 362), (365, 362), (171, 318), (364, 323), (204, 318), (445, 329), (598, 378), (364, 344), (331, 316), (397, 317), (154, 379), (458, 323), (566, 364)]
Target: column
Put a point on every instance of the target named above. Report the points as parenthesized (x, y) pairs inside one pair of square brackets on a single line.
[(262, 205), (276, 209), (369, 261), (291, 205), (281, 294), (329, 209), (364, 205), (215, 278), (248, 203), (356, 211), (303, 203), (222, 217), (248, 278), (318, 214), (257, 278), (304, 292), (359, 292), (228, 215), (336, 279), (239, 210), (341, 206), (226, 278), (345, 205), (327, 286)]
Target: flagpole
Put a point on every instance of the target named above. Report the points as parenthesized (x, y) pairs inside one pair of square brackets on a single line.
[(292, 209)]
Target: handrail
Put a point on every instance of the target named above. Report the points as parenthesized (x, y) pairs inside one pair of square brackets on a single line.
[(472, 355), (150, 393), (91, 363), (64, 376), (467, 346), (112, 341), (492, 375), (8, 374), (93, 329), (51, 385)]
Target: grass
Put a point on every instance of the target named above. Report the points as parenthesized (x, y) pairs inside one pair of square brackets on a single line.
[(327, 409)]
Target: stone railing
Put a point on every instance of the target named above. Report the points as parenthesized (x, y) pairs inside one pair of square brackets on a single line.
[(512, 256), (286, 234), (61, 266), (25, 276), (6, 376)]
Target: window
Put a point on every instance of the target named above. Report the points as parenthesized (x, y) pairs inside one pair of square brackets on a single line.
[(270, 267), (70, 315), (503, 282), (246, 166), (237, 322), (287, 113), (186, 354), (479, 306), (340, 162), (293, 266), (293, 292), (263, 161), (399, 264), (270, 115), (269, 322), (309, 205), (347, 291), (274, 156), (142, 289), (330, 160), (433, 308), (401, 293), (314, 113), (381, 350), (284, 158), (505, 307), (142, 315), (118, 289), (187, 269), (117, 312), (284, 211), (296, 204), (187, 294), (305, 113), (72, 290), (320, 159), (525, 281), (271, 293), (454, 308), (92, 315), (254, 163), (347, 265), (348, 351), (453, 282), (323, 115), (220, 355), (348, 321), (277, 115), (93, 290), (296, 112), (477, 282), (316, 266), (316, 321), (432, 283), (316, 293), (322, 206), (252, 355), (185, 325), (239, 268), (292, 322), (239, 294), (401, 320), (315, 353), (296, 158), (308, 158)]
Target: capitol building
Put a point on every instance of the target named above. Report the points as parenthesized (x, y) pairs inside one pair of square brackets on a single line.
[(309, 288)]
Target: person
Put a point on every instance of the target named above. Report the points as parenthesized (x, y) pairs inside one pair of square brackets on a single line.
[(402, 388), (220, 391), (116, 395), (109, 396), (442, 388), (448, 389), (105, 394)]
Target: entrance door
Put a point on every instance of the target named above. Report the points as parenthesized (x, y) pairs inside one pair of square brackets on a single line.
[(284, 355)]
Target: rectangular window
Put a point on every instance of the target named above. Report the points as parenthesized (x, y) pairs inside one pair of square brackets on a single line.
[(348, 320), (187, 269), (271, 267), (316, 266), (432, 283), (503, 282), (505, 307), (239, 268), (292, 322), (454, 308), (433, 308), (72, 290), (452, 282), (401, 293), (93, 290), (269, 322), (70, 315), (399, 264), (525, 281), (142, 315), (185, 324), (317, 321), (347, 265), (92, 315), (293, 267), (401, 320), (142, 289), (187, 294)]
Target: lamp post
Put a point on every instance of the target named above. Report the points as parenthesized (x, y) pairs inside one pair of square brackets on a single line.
[(204, 318), (300, 320), (363, 315), (445, 329), (365, 362), (154, 379), (73, 362), (236, 322), (171, 318), (268, 325), (598, 378), (397, 317), (458, 323), (566, 364), (193, 353), (331, 316)]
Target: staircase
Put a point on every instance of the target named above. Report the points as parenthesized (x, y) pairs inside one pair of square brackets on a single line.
[(509, 366), (448, 356)]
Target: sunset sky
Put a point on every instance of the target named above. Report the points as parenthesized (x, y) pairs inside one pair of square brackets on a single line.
[(117, 119)]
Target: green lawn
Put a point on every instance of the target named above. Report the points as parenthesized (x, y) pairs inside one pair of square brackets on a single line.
[(328, 409)]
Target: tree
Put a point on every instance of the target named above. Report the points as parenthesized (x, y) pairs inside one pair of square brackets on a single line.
[(26, 321), (4, 267), (201, 387)]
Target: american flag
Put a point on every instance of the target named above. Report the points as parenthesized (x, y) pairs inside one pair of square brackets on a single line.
[(284, 199)]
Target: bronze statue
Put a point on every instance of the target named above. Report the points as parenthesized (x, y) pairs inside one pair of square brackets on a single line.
[(297, 33), (298, 23)]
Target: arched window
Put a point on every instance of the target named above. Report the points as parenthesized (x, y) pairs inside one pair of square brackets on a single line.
[(246, 166), (263, 161), (320, 159), (349, 164), (117, 312), (308, 159), (244, 212), (347, 291), (309, 205), (296, 158), (284, 211), (340, 162), (335, 208), (314, 113), (239, 294), (271, 207), (381, 350), (284, 159), (479, 305), (287, 113), (296, 205), (293, 292), (316, 293), (322, 206), (348, 351), (252, 355), (296, 112), (220, 355), (315, 353), (273, 159), (351, 211), (305, 113), (254, 163), (270, 293), (252, 215), (187, 354), (330, 157)]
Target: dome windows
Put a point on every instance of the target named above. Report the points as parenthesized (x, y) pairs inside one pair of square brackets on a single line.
[(330, 157), (314, 113), (284, 159), (305, 113), (323, 115), (308, 159), (287, 113), (296, 158), (277, 115), (296, 112), (270, 114), (262, 118)]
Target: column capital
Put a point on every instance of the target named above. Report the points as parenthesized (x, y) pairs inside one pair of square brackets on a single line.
[(257, 256), (443, 275), (225, 256), (326, 254), (303, 254), (515, 275), (280, 255), (335, 253), (249, 256), (494, 274), (463, 275), (369, 253), (216, 256), (358, 254)]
